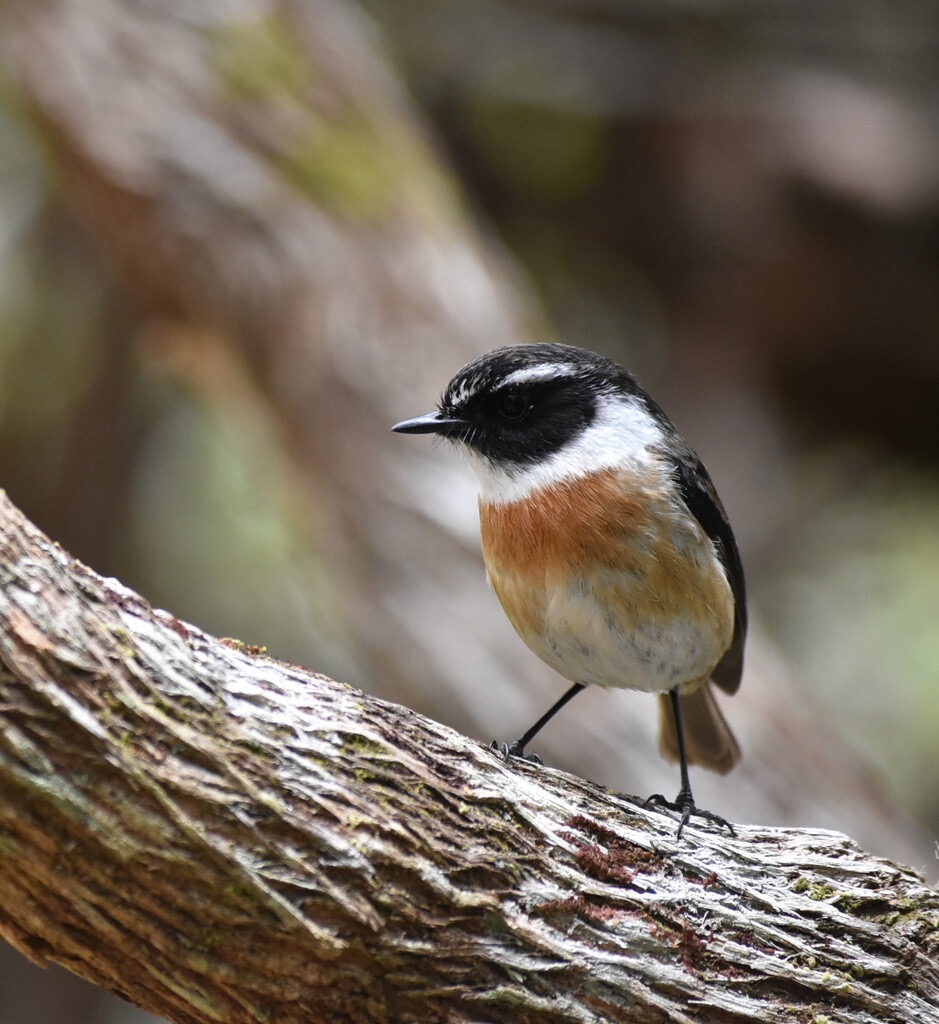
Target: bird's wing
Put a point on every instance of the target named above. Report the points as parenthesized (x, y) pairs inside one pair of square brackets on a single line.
[(699, 495)]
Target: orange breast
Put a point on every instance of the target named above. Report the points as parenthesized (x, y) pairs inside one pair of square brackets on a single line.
[(605, 578), (589, 518)]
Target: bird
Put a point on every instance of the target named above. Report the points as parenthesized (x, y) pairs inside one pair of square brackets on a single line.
[(604, 540)]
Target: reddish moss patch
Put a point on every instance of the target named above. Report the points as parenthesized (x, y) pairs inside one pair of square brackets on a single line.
[(610, 858)]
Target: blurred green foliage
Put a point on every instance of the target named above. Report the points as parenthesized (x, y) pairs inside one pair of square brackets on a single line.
[(853, 599)]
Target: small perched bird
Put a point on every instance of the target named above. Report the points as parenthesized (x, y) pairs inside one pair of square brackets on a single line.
[(604, 540)]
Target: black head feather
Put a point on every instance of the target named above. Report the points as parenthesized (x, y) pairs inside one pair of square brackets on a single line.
[(520, 404)]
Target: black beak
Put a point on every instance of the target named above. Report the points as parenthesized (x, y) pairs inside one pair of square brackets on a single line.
[(430, 423)]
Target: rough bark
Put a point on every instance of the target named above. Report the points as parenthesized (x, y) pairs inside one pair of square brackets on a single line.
[(218, 836)]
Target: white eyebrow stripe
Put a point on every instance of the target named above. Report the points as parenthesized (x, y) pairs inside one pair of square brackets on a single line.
[(544, 371)]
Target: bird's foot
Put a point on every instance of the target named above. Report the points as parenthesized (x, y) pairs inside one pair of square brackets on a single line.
[(515, 749), (684, 805)]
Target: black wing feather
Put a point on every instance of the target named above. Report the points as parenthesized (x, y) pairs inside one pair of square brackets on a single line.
[(700, 496)]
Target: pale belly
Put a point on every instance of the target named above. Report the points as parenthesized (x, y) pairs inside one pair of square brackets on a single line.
[(584, 641), (608, 631)]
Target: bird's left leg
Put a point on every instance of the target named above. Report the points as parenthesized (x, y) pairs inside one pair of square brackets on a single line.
[(684, 802)]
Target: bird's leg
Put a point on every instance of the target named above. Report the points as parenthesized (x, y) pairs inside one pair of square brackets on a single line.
[(684, 802), (517, 749)]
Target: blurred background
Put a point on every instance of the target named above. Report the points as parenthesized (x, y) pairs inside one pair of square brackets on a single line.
[(239, 239)]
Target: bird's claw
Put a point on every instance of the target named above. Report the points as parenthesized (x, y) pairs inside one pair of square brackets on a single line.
[(684, 805), (508, 750)]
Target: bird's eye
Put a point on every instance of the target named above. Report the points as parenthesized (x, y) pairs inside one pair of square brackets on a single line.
[(512, 405)]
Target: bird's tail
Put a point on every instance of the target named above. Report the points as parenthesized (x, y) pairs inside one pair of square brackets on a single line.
[(708, 739)]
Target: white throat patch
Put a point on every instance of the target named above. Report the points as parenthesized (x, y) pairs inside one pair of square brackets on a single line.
[(623, 434)]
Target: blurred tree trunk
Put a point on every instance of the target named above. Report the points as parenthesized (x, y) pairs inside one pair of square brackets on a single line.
[(220, 837), (298, 251)]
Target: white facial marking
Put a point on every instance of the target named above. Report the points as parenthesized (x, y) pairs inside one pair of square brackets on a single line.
[(466, 391), (622, 434), (544, 371)]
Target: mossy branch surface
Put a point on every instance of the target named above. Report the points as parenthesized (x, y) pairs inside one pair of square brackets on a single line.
[(217, 836)]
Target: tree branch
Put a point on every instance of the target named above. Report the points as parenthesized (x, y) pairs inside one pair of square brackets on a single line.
[(218, 836)]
